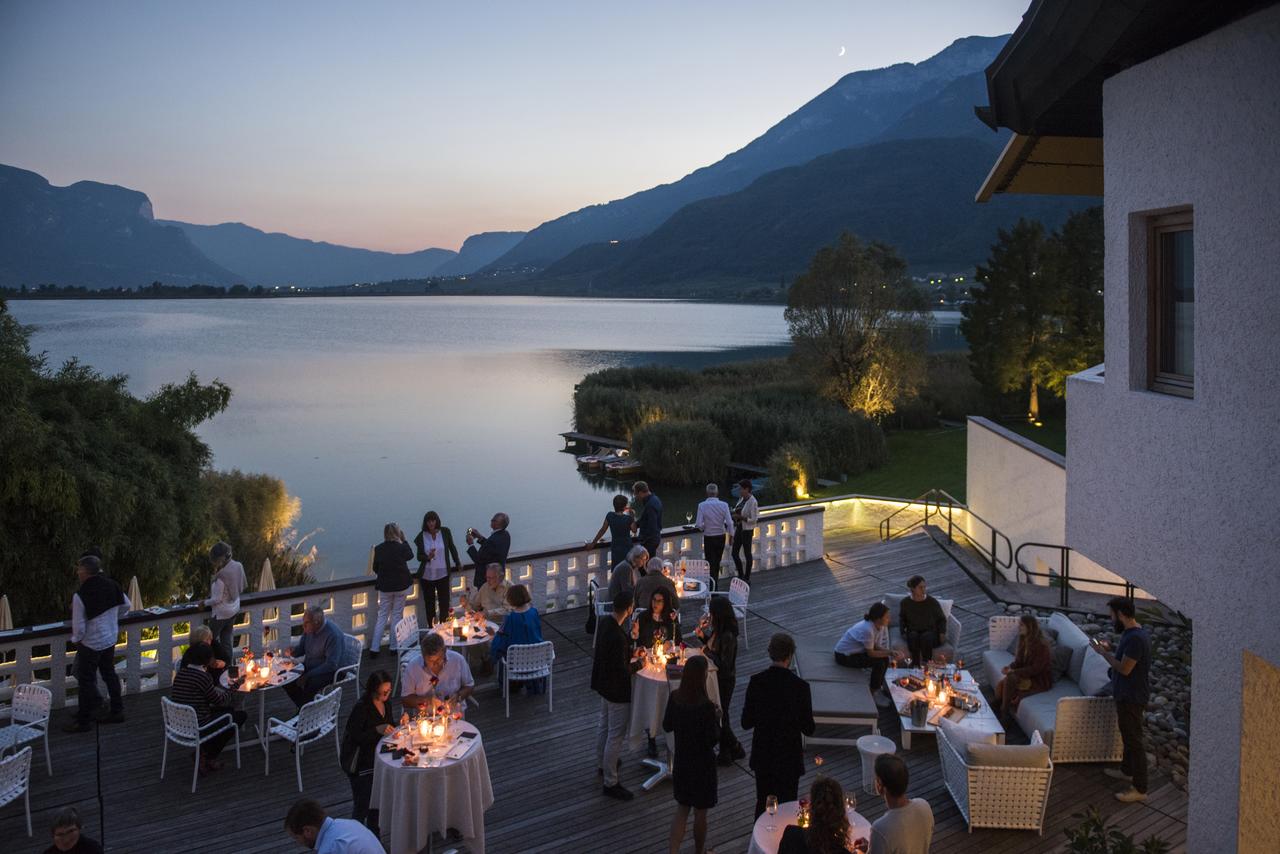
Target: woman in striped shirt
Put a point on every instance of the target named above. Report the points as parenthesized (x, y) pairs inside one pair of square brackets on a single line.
[(194, 686)]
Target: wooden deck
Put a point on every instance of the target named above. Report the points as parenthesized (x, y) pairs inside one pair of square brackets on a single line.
[(547, 796)]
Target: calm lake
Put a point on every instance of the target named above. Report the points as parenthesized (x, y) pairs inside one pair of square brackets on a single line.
[(378, 409)]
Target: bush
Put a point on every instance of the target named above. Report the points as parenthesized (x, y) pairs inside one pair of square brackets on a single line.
[(682, 452), (610, 412), (791, 471), (842, 442)]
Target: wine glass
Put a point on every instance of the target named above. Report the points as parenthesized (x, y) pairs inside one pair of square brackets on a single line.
[(771, 807), (850, 801), (688, 517), (906, 662)]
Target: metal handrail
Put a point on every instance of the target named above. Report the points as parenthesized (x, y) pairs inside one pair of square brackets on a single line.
[(1063, 579), (937, 496)]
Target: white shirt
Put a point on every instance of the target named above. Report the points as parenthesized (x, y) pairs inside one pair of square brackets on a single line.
[(452, 678), (713, 518), (224, 600), (434, 569), (905, 830), (749, 510), (862, 636), (346, 836), (101, 632)]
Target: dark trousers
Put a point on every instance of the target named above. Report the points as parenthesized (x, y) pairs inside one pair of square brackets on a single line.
[(435, 599), (90, 664), (361, 791), (304, 690), (742, 559), (728, 741), (652, 546), (1129, 716), (786, 787), (921, 644), (213, 746), (222, 631), (863, 661), (713, 551)]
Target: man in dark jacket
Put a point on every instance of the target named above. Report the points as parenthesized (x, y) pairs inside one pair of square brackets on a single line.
[(648, 523), (779, 707), (611, 678), (493, 548)]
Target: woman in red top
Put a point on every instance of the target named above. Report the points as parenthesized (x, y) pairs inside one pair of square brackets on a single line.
[(1031, 671)]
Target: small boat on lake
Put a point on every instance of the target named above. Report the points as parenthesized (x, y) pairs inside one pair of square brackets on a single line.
[(624, 466), (595, 460)]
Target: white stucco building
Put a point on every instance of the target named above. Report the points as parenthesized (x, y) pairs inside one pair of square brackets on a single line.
[(1172, 111)]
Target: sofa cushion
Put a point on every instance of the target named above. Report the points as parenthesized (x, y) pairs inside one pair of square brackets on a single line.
[(843, 700), (893, 600), (993, 663), (962, 736), (1070, 635), (1095, 675), (1010, 755), (1060, 656), (815, 662), (1040, 711)]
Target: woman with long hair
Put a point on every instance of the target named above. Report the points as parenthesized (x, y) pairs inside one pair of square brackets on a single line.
[(718, 631), (1031, 671), (370, 720), (394, 582), (436, 556), (661, 617), (693, 718), (828, 830)]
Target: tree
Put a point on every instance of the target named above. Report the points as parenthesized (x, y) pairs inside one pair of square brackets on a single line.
[(1037, 316), (856, 317)]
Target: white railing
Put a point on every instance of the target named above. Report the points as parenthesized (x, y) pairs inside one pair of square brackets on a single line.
[(557, 579)]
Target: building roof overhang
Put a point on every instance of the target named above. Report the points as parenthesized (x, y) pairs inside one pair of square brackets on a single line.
[(1049, 165)]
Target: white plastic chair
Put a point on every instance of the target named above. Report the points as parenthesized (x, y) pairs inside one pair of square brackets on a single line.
[(314, 721), (739, 593), (30, 720), (352, 652), (15, 780), (182, 727), (603, 609), (406, 644), (527, 661)]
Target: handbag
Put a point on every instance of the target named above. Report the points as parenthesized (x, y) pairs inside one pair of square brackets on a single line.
[(591, 614)]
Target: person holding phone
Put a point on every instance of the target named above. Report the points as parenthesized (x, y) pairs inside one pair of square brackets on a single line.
[(492, 549), (369, 722), (437, 555), (1131, 688)]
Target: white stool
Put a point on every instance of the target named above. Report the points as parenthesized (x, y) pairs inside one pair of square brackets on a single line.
[(871, 746)]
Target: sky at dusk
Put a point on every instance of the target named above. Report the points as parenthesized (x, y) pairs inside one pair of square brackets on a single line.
[(403, 125)]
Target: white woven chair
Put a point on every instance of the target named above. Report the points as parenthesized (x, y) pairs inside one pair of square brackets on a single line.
[(527, 661), (15, 781), (29, 720), (182, 727), (352, 652), (992, 796), (406, 644), (739, 593), (313, 722)]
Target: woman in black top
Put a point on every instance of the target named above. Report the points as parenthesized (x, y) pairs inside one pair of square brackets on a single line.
[(693, 718), (370, 720), (921, 621), (391, 566), (660, 617), (828, 830), (718, 632)]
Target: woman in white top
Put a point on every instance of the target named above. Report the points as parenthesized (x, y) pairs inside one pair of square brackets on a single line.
[(866, 644), (224, 594), (436, 556), (745, 514)]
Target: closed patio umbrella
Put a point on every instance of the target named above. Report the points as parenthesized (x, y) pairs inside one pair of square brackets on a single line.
[(266, 581), (6, 615), (135, 594)]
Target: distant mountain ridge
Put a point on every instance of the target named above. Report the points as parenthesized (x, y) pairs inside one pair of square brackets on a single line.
[(91, 235), (274, 258), (479, 250), (859, 108)]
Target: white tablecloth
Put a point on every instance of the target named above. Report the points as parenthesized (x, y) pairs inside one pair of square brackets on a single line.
[(415, 801), (649, 692), (765, 841), (445, 630)]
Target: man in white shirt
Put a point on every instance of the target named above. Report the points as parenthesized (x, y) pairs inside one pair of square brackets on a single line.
[(96, 609), (311, 827), (907, 825), (441, 674), (716, 525), (745, 515)]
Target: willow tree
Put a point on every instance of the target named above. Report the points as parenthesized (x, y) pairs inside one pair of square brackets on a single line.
[(856, 317)]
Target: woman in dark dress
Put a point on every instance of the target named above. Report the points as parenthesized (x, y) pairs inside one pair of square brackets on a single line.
[(618, 524), (828, 830), (694, 719), (718, 632), (1031, 671), (370, 720), (660, 617)]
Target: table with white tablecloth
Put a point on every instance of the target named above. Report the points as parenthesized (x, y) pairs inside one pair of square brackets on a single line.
[(260, 686), (650, 689), (414, 801), (766, 841)]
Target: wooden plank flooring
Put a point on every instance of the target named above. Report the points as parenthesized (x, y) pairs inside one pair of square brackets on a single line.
[(547, 796)]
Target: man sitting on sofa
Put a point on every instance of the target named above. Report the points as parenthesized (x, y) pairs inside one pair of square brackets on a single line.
[(921, 621)]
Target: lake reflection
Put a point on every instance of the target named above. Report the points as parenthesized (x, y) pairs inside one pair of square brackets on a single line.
[(377, 409)]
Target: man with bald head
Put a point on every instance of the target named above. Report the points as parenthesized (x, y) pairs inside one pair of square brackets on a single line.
[(493, 548)]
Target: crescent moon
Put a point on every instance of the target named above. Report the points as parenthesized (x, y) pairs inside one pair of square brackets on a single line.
[(841, 53)]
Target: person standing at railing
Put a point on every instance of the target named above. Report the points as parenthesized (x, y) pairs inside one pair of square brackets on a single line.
[(745, 515), (224, 593), (437, 555), (715, 522), (96, 609), (391, 566), (618, 523), (648, 523), (493, 548)]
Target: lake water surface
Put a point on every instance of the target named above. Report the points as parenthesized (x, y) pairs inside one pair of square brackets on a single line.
[(378, 409)]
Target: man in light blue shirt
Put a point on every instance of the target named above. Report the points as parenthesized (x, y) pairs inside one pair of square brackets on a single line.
[(716, 525), (309, 825), (441, 674)]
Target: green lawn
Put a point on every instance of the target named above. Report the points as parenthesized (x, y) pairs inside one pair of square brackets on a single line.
[(920, 460)]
